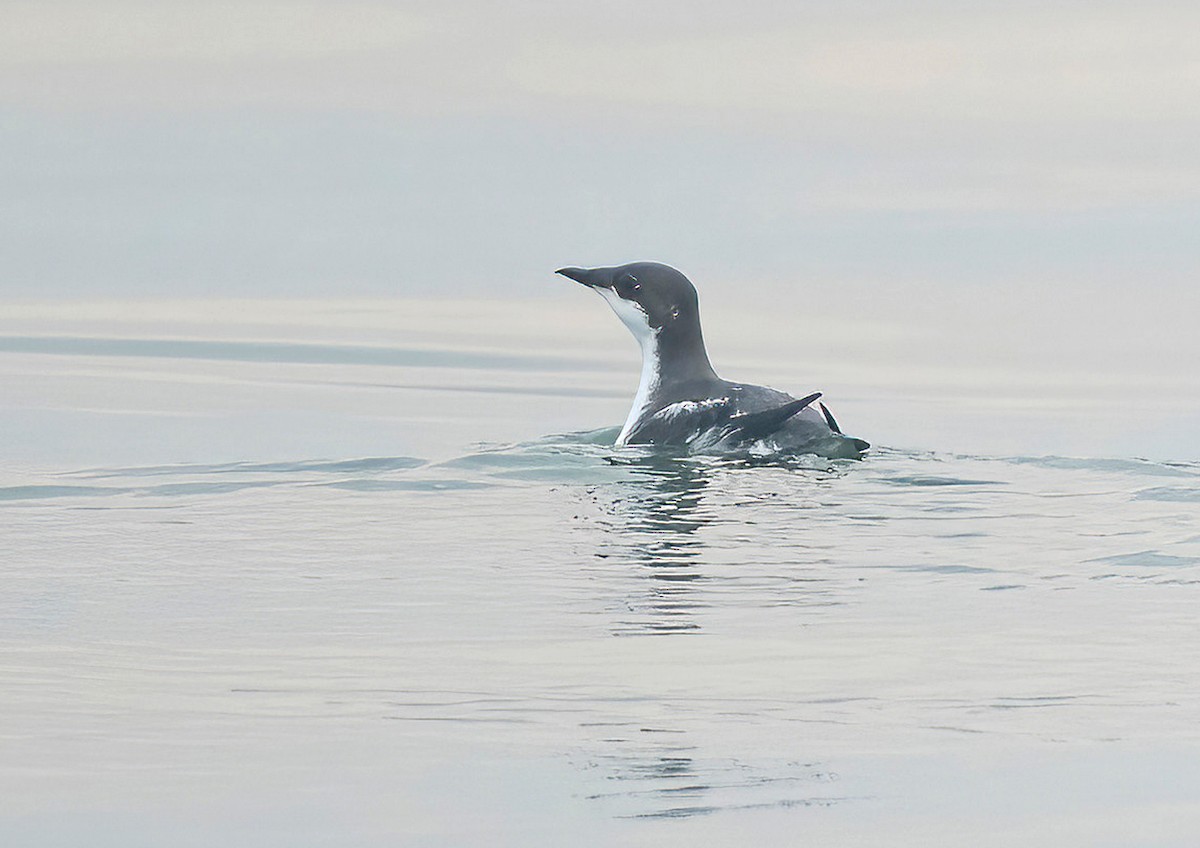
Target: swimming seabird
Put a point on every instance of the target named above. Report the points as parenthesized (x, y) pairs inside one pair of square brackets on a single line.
[(680, 401)]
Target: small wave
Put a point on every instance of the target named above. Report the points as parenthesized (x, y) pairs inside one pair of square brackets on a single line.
[(921, 480), (1127, 466), (321, 466), (1149, 559), (202, 488), (944, 569), (448, 485), (38, 492), (554, 459), (370, 464), (1170, 494), (368, 473), (1036, 702)]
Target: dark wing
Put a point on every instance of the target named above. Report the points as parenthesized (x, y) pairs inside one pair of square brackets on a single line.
[(683, 422), (678, 423), (749, 426)]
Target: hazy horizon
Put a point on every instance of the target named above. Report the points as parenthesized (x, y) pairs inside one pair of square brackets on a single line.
[(361, 149)]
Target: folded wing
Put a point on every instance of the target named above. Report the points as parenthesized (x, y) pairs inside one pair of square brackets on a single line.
[(715, 421)]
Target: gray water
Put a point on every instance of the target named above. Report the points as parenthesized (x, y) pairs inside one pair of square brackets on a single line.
[(372, 574)]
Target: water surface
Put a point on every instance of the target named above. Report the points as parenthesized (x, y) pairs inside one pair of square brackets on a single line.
[(329, 574)]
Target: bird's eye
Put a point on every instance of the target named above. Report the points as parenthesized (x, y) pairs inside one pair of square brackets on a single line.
[(628, 286)]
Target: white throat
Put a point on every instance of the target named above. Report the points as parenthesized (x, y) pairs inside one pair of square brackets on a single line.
[(647, 337)]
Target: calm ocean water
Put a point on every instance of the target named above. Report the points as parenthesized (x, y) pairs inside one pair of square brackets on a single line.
[(370, 573)]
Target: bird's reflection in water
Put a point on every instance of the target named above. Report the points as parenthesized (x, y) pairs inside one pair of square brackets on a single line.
[(657, 776), (673, 523), (657, 772), (668, 530), (653, 521)]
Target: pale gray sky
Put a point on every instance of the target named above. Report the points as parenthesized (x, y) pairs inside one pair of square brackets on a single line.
[(174, 148)]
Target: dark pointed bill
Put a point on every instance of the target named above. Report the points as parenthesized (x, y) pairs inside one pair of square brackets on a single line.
[(585, 276)]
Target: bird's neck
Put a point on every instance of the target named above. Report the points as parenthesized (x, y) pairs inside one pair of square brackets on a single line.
[(648, 387), (674, 366), (682, 357)]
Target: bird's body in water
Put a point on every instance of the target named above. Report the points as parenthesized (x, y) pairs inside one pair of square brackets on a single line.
[(680, 401)]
